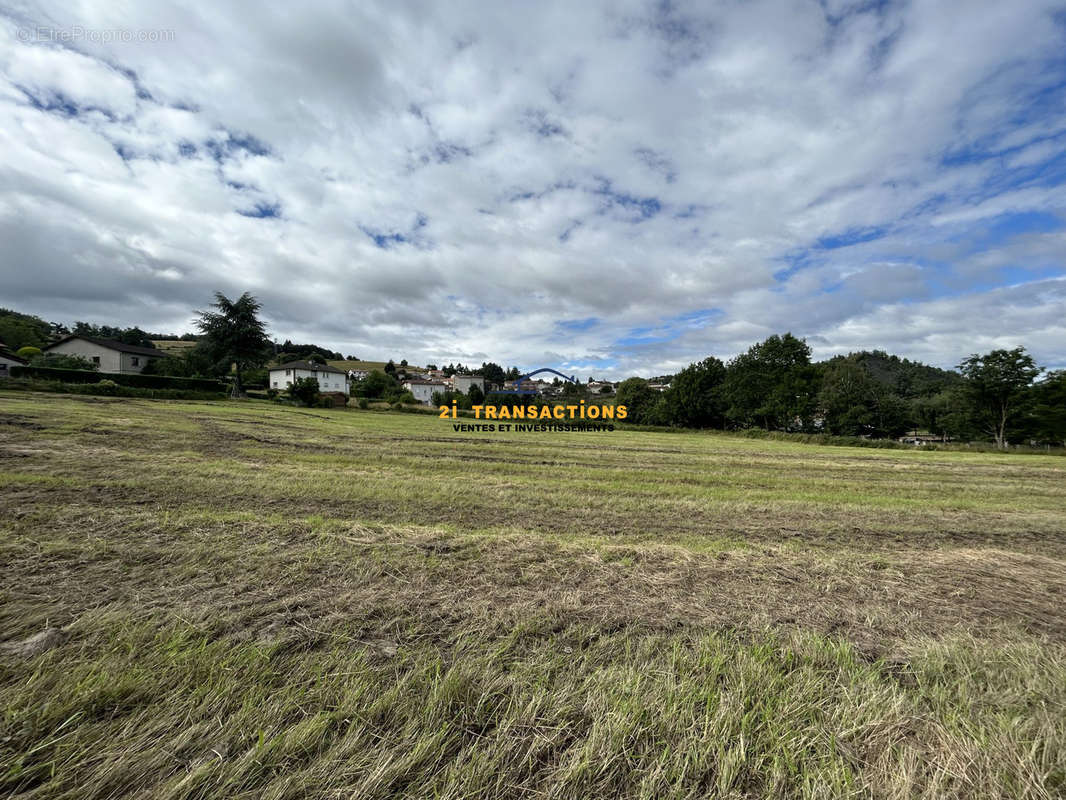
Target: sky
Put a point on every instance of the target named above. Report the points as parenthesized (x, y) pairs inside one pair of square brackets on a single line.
[(608, 188)]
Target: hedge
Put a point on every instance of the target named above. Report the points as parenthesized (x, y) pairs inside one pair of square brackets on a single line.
[(123, 379), (108, 388)]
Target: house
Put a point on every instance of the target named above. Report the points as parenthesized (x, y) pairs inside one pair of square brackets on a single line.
[(600, 387), (527, 385), (330, 379), (462, 383), (423, 389), (8, 360), (108, 354), (918, 439), (357, 374)]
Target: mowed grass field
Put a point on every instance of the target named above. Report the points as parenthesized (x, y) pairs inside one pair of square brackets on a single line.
[(220, 600)]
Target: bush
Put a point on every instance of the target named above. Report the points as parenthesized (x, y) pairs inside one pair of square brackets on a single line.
[(132, 379), (64, 361), (305, 390), (325, 402), (28, 352), (364, 403), (272, 394)]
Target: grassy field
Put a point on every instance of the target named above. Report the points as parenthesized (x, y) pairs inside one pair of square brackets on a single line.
[(218, 600), (172, 347), (347, 364)]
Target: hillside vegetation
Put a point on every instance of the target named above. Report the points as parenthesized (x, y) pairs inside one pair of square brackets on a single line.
[(238, 600)]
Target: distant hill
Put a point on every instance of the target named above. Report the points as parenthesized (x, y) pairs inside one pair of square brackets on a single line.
[(23, 330), (902, 376)]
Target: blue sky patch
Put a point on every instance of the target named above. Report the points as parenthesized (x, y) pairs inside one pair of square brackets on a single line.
[(850, 237), (578, 325), (641, 208), (262, 211)]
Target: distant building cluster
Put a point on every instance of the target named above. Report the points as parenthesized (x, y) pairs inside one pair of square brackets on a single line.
[(112, 356), (425, 383)]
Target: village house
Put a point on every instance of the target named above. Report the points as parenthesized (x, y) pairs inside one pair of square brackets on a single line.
[(357, 374), (8, 360), (330, 379), (462, 383), (528, 385), (108, 354), (423, 389)]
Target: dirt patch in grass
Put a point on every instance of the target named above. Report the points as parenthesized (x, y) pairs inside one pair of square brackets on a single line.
[(301, 580), (20, 421)]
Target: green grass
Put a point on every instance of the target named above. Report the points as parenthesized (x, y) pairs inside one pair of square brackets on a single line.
[(348, 363), (258, 601)]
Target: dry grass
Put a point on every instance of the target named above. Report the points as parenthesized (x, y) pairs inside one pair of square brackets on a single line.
[(241, 600)]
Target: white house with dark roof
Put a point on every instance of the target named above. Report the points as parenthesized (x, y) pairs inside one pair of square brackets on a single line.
[(330, 379), (8, 360), (108, 354), (423, 389)]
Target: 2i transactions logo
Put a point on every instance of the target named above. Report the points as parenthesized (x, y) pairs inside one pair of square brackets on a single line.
[(580, 416)]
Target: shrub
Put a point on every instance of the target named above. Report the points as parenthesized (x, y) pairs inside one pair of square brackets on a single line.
[(28, 352), (364, 403), (305, 390), (64, 361), (325, 402)]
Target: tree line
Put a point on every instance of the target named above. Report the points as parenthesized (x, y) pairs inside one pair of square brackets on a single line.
[(998, 396), (1002, 396)]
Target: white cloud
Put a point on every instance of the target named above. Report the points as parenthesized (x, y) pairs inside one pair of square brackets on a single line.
[(524, 165)]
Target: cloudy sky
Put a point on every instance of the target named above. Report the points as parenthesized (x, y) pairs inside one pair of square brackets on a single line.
[(614, 188)]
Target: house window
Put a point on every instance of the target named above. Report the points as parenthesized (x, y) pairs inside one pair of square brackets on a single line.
[(135, 361), (96, 359), (288, 372), (275, 384)]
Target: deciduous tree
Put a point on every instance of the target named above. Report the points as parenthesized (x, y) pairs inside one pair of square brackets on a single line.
[(1049, 408), (694, 398), (997, 385)]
